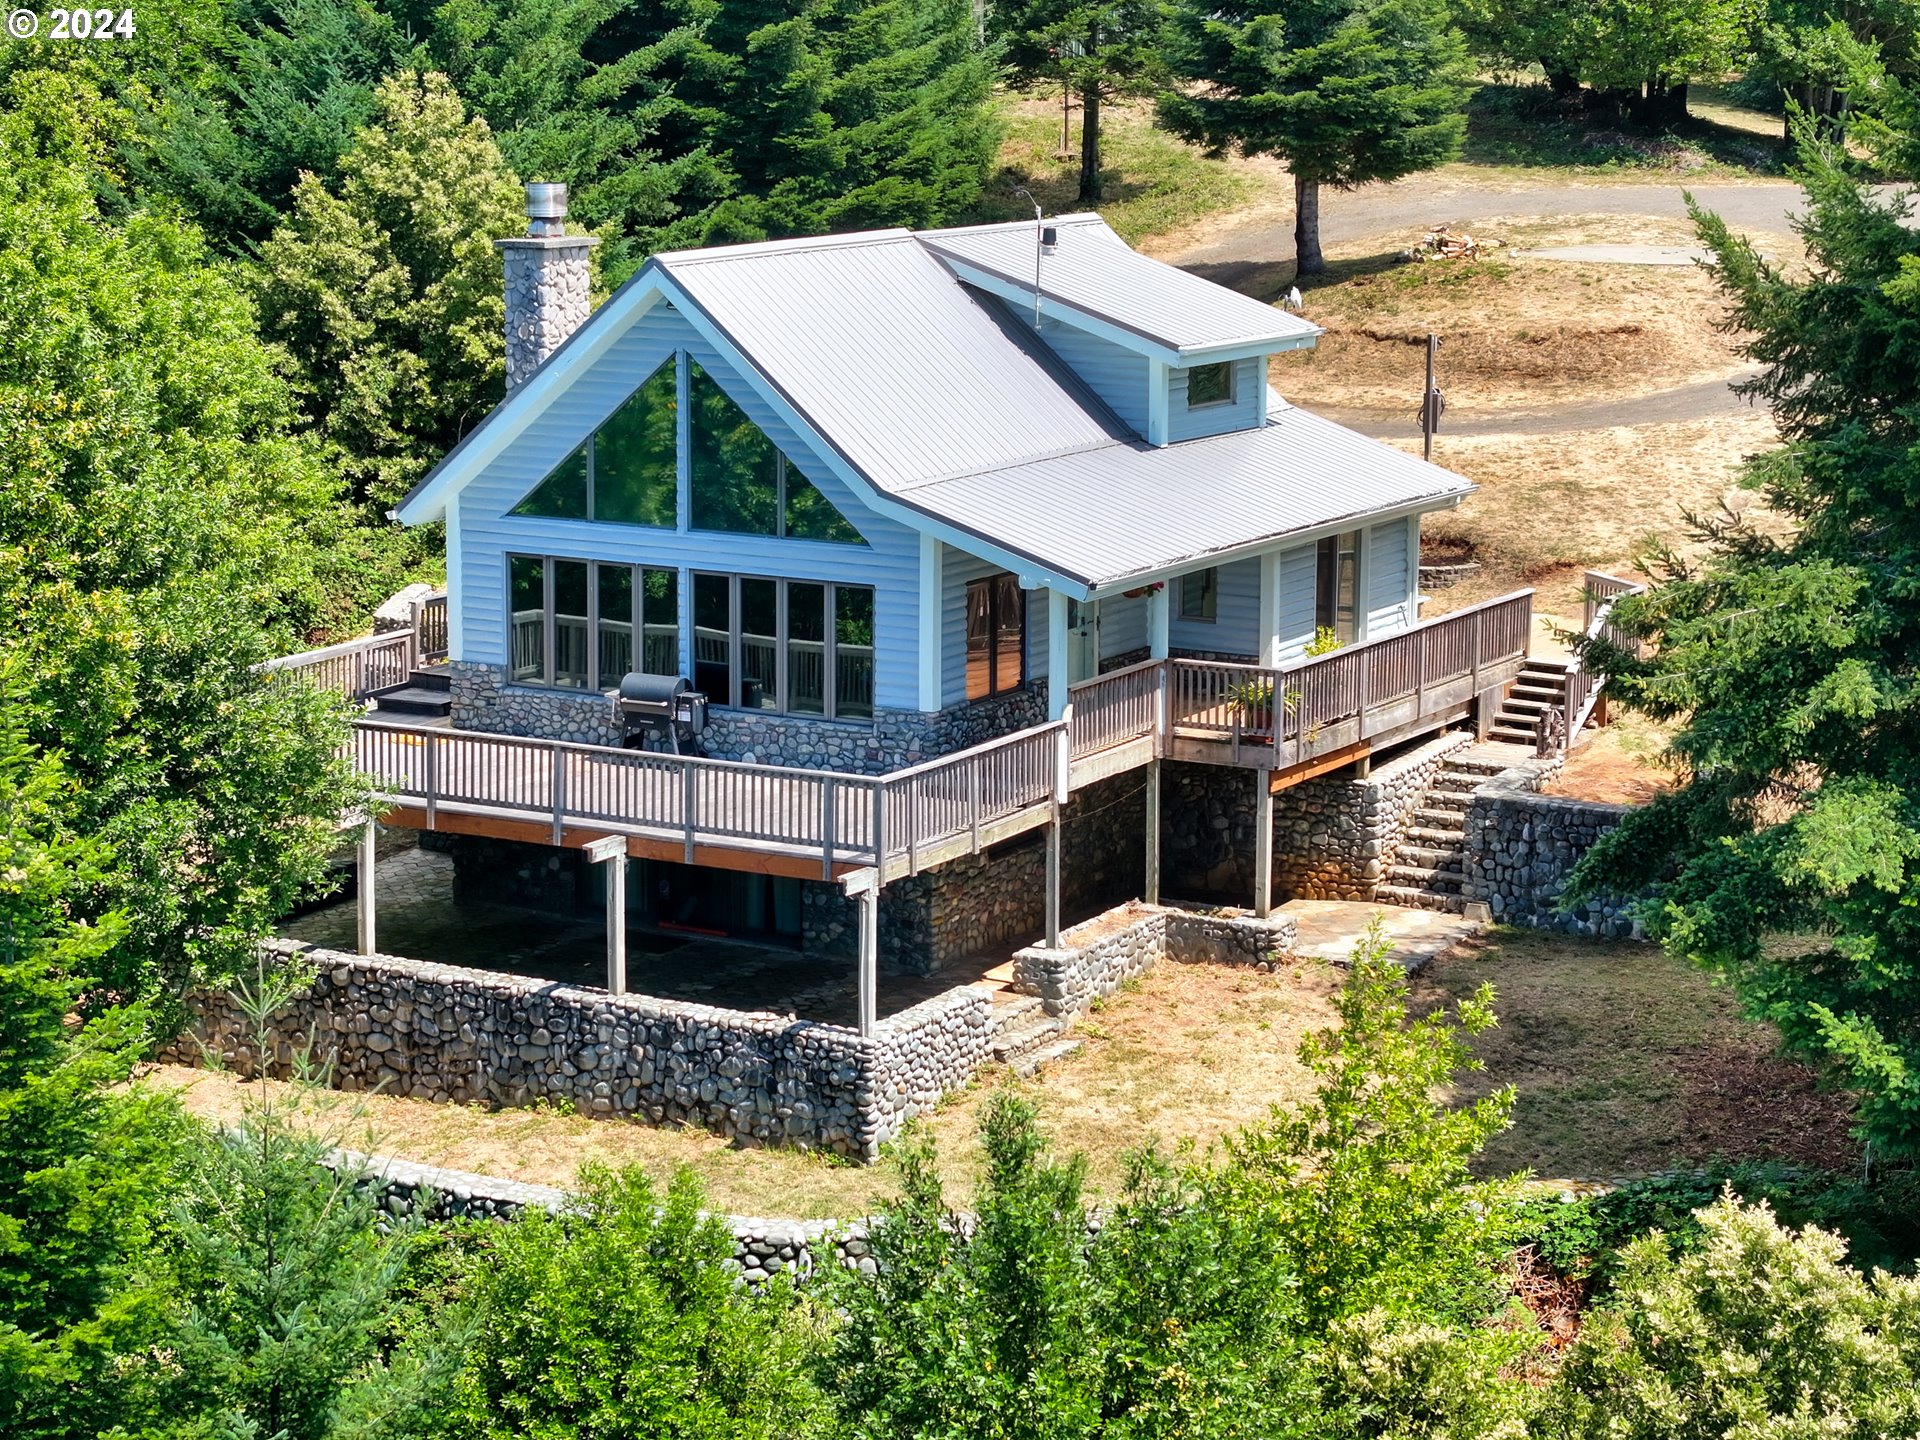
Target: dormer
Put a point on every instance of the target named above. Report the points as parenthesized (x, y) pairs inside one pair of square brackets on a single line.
[(1176, 357)]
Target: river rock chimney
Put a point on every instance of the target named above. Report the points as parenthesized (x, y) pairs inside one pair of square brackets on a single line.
[(548, 293)]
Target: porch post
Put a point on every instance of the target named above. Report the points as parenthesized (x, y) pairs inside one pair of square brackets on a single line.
[(1269, 634), (869, 978), (1053, 880), (1151, 887), (365, 903), (1159, 620), (1058, 661), (611, 851), (1262, 843)]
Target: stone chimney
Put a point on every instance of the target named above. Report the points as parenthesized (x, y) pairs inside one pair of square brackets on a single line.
[(547, 283)]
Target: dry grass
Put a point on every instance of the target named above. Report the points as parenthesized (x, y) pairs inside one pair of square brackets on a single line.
[(1625, 1061), (1620, 765), (1516, 333)]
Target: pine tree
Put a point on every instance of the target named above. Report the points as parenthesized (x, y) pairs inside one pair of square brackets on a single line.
[(1344, 91), (1787, 654), (1099, 50)]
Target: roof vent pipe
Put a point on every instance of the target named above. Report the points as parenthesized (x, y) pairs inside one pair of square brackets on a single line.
[(1049, 239)]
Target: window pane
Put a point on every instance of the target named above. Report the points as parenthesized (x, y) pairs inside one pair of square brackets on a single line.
[(733, 463), (660, 616), (563, 494), (634, 478), (615, 654), (570, 622), (1199, 595), (759, 645), (1346, 587), (853, 652), (713, 638), (807, 649), (1209, 384), (979, 639), (527, 584), (811, 516), (1010, 638)]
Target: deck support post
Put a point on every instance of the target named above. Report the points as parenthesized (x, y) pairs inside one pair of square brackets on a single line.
[(1059, 662), (611, 851), (365, 904), (869, 978), (1053, 880), (1262, 843), (1150, 889)]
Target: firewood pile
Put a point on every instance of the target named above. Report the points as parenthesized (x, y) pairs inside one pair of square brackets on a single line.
[(1444, 243)]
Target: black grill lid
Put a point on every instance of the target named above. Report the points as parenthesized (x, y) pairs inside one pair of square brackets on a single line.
[(640, 689)]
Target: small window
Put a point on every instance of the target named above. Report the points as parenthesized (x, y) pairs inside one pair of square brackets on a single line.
[(1337, 586), (1200, 595), (996, 636), (1210, 385)]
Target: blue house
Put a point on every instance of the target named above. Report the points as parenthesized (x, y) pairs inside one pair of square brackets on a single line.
[(948, 526)]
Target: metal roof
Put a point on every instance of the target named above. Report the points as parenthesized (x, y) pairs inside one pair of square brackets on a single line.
[(1092, 270), (889, 356), (1128, 510)]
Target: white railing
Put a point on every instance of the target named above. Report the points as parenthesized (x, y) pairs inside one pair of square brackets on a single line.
[(355, 668), (1584, 688), (1115, 708)]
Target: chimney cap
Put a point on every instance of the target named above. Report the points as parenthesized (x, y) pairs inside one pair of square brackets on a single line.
[(546, 208)]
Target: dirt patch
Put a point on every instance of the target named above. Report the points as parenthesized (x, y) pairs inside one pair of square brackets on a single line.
[(1619, 765), (1612, 1047)]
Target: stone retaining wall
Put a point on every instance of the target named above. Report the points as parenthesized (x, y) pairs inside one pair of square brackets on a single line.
[(443, 1033), (1097, 958), (1332, 835), (483, 699), (1521, 845)]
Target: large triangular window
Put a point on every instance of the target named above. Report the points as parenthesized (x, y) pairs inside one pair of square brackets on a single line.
[(627, 472), (743, 483)]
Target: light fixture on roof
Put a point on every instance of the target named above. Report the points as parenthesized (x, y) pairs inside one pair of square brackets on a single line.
[(1045, 239)]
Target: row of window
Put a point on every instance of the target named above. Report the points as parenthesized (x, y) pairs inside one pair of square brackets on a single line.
[(805, 647), (627, 471), (1336, 589)]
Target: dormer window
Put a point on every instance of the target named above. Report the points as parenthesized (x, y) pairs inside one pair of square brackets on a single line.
[(1210, 385)]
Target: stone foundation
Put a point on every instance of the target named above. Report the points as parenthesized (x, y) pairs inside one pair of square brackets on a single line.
[(1095, 959), (893, 740), (1332, 835), (443, 1033), (1521, 845)]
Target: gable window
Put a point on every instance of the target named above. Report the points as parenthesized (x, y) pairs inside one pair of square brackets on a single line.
[(742, 482), (1210, 385), (800, 646), (1337, 586), (996, 636), (626, 471), (1200, 595), (574, 622)]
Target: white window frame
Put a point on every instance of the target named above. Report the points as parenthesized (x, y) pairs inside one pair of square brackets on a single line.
[(596, 682), (1233, 384), (830, 647)]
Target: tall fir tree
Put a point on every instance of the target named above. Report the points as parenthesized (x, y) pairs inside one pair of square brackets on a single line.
[(1787, 655), (1344, 91), (1100, 51)]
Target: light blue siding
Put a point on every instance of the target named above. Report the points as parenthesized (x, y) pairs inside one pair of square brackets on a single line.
[(1117, 376), (1123, 625), (1390, 578), (1236, 630), (1247, 409), (1298, 570), (956, 569), (890, 562)]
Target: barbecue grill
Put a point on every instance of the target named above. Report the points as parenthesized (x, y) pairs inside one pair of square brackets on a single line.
[(661, 707)]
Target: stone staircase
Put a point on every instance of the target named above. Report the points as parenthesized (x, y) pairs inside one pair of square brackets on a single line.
[(1540, 686), (427, 693), (1025, 1037), (1428, 867)]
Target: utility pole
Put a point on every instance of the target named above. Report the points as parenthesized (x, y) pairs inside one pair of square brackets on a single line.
[(1432, 403)]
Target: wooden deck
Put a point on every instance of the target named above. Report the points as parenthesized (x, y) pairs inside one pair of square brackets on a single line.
[(1289, 720)]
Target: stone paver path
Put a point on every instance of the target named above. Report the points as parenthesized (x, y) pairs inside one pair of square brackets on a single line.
[(1328, 930)]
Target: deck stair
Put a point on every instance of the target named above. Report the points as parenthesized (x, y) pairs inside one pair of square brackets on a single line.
[(1428, 868), (427, 693), (1541, 686), (1025, 1036)]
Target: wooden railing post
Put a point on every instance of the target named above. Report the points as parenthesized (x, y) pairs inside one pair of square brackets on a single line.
[(689, 798), (826, 828), (432, 767), (877, 795), (973, 799), (913, 825), (559, 792)]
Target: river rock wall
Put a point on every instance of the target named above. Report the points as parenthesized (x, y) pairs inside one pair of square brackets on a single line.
[(1522, 845)]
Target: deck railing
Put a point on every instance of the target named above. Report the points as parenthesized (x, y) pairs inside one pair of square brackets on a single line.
[(1584, 688), (356, 668), (1329, 701), (1117, 707)]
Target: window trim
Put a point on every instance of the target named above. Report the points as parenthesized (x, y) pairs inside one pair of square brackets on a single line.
[(1209, 596), (829, 647), (549, 621), (1231, 370)]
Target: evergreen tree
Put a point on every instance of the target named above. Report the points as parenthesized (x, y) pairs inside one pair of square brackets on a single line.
[(388, 293), (1344, 91), (1789, 860), (1103, 50), (159, 535)]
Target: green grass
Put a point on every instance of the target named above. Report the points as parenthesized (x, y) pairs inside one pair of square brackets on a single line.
[(1153, 183), (1518, 127)]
